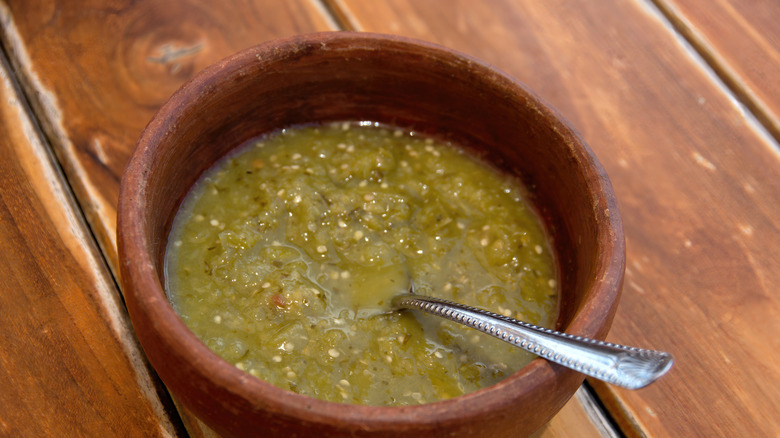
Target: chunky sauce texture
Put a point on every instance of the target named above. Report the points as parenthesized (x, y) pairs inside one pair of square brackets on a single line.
[(284, 256)]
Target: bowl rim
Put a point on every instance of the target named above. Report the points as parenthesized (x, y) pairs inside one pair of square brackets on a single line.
[(143, 287)]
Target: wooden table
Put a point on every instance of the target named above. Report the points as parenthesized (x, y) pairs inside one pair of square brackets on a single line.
[(680, 99)]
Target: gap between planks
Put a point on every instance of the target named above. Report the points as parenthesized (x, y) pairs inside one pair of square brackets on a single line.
[(337, 14), (753, 109), (67, 218), (43, 109), (340, 14)]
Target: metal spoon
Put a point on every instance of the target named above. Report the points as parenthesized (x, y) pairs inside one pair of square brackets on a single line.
[(628, 367)]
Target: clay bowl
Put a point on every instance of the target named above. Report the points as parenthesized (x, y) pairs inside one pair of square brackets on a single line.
[(352, 76)]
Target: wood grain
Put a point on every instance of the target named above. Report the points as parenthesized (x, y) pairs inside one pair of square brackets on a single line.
[(741, 41), (696, 180), (69, 362), (97, 71)]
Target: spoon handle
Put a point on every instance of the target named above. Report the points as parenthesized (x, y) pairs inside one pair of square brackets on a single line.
[(628, 367)]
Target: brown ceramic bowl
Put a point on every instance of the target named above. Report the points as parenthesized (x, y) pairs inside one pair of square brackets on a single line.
[(353, 76)]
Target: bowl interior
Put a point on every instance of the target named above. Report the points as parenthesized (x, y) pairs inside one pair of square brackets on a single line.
[(342, 76)]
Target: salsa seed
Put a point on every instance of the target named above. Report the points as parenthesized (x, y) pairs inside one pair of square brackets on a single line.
[(277, 359), (334, 353), (538, 249)]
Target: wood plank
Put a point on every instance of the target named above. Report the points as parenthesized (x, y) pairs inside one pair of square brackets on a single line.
[(581, 417), (741, 40), (97, 71), (696, 181), (69, 362)]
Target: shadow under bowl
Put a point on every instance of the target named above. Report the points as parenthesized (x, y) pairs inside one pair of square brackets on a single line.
[(356, 76)]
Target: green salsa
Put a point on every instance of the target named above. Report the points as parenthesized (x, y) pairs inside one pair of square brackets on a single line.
[(283, 258)]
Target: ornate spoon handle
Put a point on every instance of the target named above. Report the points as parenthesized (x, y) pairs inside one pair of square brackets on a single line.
[(628, 367)]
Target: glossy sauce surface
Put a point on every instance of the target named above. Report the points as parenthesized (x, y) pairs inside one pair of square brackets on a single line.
[(283, 257)]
